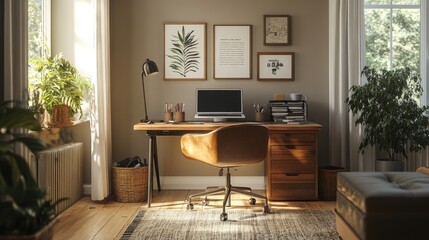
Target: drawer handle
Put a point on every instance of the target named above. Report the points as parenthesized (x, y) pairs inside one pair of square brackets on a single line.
[(292, 174), (291, 146)]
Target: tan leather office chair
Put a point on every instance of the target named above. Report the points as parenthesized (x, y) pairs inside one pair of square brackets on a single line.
[(228, 147)]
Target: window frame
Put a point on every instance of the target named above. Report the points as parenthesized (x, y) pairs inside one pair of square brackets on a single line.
[(424, 41)]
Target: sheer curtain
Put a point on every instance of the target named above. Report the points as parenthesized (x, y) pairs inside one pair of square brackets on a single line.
[(345, 22), (15, 56), (15, 50), (100, 117)]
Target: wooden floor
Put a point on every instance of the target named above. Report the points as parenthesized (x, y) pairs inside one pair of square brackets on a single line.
[(108, 219)]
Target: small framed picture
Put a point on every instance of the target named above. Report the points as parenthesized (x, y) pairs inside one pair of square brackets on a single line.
[(185, 52), (277, 30), (276, 65)]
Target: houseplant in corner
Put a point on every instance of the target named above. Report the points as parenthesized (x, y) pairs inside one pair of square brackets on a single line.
[(24, 211), (60, 86), (387, 108)]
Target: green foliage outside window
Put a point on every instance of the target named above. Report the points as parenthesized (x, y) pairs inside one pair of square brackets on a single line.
[(392, 36), (35, 29)]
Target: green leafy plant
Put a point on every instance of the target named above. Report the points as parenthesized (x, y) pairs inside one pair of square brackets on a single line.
[(58, 82), (184, 54), (23, 208), (388, 110)]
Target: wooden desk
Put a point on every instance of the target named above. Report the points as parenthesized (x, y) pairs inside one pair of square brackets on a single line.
[(291, 166)]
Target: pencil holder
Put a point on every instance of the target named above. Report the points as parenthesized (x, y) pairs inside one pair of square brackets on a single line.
[(168, 116), (259, 117), (179, 116)]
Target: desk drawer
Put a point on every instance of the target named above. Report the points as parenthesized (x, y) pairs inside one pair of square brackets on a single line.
[(292, 152), (293, 191), (292, 138), (292, 178), (293, 166)]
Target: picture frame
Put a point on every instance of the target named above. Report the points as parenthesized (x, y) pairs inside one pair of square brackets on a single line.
[(276, 66), (277, 30), (232, 51), (193, 38)]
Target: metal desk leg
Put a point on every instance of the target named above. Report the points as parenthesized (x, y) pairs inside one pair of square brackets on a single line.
[(150, 164), (155, 158)]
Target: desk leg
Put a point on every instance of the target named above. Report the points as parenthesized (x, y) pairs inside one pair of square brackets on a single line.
[(155, 158), (150, 166)]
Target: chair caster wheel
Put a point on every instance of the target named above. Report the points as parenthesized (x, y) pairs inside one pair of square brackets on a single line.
[(252, 201), (190, 206), (266, 210), (224, 217)]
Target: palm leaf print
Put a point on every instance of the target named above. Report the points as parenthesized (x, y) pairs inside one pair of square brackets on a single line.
[(184, 54)]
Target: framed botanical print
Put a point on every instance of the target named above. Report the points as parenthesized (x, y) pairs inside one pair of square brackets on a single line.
[(277, 30), (276, 65), (185, 51)]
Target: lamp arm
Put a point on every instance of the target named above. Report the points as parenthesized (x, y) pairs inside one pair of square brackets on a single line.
[(144, 99)]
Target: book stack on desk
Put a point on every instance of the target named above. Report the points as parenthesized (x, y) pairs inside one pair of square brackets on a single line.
[(288, 111), (279, 111)]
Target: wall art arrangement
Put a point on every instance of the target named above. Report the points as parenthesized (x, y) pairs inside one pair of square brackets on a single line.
[(232, 51), (185, 51), (276, 65), (277, 30)]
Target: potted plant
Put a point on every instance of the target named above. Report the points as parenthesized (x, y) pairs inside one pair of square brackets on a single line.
[(24, 210), (58, 84), (387, 108)]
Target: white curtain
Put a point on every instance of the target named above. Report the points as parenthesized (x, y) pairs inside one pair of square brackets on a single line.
[(100, 117), (345, 22), (15, 58), (15, 50)]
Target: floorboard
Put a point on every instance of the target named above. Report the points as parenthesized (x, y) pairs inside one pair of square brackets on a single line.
[(108, 219)]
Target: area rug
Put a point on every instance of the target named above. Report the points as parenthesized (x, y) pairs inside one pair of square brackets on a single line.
[(241, 224)]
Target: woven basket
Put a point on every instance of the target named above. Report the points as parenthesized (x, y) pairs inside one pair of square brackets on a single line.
[(130, 184), (60, 116), (328, 182)]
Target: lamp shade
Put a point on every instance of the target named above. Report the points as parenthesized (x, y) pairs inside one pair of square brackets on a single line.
[(149, 67)]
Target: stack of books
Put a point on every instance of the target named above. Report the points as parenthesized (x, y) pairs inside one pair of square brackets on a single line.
[(279, 111), (296, 112), (288, 111)]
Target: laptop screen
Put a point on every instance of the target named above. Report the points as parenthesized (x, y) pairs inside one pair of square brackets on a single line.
[(219, 101)]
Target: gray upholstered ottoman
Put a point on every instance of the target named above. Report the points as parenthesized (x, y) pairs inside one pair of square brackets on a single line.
[(376, 205)]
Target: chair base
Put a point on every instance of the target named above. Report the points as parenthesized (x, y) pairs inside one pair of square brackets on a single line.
[(227, 190)]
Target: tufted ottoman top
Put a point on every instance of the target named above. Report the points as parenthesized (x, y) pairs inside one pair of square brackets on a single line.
[(386, 193), (377, 205)]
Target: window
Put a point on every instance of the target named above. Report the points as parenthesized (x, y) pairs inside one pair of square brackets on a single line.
[(39, 35), (394, 35)]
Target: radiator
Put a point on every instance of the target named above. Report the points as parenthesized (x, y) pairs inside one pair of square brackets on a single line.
[(60, 173)]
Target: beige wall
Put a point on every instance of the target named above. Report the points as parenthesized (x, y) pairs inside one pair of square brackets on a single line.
[(137, 34)]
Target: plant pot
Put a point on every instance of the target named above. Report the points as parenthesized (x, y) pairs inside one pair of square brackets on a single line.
[(45, 233), (385, 165), (61, 116)]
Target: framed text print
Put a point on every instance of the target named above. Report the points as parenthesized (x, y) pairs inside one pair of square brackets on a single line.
[(277, 30), (232, 52), (276, 65), (185, 51)]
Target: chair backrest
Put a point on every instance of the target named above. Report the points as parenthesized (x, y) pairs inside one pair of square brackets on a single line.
[(229, 146)]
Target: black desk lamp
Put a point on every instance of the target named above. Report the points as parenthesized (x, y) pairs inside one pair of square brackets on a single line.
[(149, 68)]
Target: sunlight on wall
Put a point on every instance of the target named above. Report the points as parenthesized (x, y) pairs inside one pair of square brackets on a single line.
[(84, 37)]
